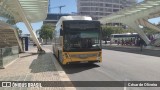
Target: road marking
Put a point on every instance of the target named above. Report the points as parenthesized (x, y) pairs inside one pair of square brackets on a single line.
[(125, 88)]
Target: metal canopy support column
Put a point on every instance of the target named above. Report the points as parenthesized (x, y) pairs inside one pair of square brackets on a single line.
[(18, 40), (24, 18), (136, 27), (145, 23), (157, 42)]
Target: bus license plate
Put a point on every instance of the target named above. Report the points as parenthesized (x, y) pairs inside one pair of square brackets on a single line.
[(84, 62)]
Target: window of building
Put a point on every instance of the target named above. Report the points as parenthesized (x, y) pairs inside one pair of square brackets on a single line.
[(115, 10), (108, 5)]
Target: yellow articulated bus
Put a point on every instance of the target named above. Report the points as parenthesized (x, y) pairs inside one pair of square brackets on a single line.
[(77, 39)]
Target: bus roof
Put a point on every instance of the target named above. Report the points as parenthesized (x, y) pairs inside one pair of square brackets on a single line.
[(63, 18)]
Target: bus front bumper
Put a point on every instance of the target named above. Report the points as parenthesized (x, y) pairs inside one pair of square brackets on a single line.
[(82, 57)]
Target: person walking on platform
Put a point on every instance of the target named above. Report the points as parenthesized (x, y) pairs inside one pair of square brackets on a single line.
[(142, 43)]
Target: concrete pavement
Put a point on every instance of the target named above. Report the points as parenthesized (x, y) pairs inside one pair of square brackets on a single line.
[(34, 67)]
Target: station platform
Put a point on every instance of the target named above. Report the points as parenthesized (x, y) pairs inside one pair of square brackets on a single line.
[(32, 66)]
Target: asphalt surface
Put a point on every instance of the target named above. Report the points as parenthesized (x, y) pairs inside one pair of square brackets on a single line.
[(119, 64)]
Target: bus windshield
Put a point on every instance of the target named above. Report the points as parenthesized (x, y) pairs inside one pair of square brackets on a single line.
[(81, 40)]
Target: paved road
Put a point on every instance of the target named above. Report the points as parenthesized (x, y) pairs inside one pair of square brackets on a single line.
[(119, 64)]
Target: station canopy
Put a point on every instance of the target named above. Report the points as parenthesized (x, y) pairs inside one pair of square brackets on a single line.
[(35, 10), (147, 9)]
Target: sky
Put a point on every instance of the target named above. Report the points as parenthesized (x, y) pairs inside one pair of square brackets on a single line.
[(70, 7)]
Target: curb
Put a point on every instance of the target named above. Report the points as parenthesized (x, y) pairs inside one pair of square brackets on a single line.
[(152, 48), (61, 72)]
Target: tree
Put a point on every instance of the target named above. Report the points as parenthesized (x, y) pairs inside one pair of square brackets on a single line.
[(38, 32), (19, 32), (108, 30), (46, 32)]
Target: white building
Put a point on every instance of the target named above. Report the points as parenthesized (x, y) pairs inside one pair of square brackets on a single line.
[(100, 8)]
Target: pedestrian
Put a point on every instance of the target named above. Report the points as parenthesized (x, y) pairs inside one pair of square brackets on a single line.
[(122, 42), (131, 41), (118, 41), (141, 43)]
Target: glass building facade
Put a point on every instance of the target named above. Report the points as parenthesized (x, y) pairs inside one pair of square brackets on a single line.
[(100, 8)]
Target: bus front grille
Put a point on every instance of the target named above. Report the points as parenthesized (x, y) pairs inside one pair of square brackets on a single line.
[(83, 56)]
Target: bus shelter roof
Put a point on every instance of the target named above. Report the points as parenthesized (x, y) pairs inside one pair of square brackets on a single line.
[(35, 10), (147, 9)]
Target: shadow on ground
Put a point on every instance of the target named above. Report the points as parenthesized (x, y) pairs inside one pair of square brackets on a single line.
[(75, 67), (43, 63), (79, 67), (135, 50), (30, 54)]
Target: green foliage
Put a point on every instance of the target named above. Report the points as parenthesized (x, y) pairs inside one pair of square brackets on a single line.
[(19, 32), (11, 21), (46, 31), (38, 32)]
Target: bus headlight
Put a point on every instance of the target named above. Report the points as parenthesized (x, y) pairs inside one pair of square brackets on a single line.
[(99, 54), (66, 55)]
